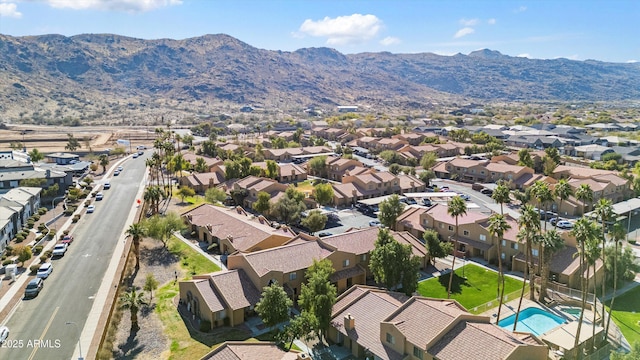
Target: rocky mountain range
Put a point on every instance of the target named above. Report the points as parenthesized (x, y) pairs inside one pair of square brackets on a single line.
[(49, 72)]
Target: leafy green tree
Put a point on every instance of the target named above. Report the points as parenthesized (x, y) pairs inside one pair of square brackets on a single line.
[(133, 301), (391, 157), (36, 156), (214, 195), (33, 182), (150, 284), (201, 165), (393, 264), (161, 227), (427, 175), (273, 170), (428, 160), (302, 326), (315, 221), (390, 209), (395, 169), (288, 210), (323, 194), (318, 166), (104, 161), (294, 194), (553, 153), (137, 233), (23, 252), (209, 148), (524, 158), (186, 191), (273, 307), (457, 207), (263, 203), (548, 165), (72, 143), (318, 295), (436, 248), (188, 140)]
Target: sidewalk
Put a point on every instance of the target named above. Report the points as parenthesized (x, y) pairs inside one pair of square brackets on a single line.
[(214, 259)]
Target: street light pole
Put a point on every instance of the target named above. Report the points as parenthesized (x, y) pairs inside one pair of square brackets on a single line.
[(629, 223), (79, 344), (53, 208)]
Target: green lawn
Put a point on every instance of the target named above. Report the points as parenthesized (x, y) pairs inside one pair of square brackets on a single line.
[(190, 260), (626, 314), (479, 287)]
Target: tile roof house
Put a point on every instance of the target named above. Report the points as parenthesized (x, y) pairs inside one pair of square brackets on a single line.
[(234, 229), (391, 326), (288, 153), (253, 185), (247, 350), (201, 182), (373, 184), (192, 159), (287, 172), (223, 298)]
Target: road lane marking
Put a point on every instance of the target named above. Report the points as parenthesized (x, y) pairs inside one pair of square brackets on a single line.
[(44, 332)]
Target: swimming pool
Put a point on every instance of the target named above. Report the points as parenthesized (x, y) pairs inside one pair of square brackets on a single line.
[(532, 320)]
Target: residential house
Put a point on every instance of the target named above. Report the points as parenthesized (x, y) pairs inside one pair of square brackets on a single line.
[(373, 184), (338, 167), (287, 154), (592, 151), (391, 326), (287, 172), (16, 206), (243, 350), (62, 158), (411, 138), (253, 185), (235, 229), (223, 298), (210, 162), (201, 182), (483, 171)]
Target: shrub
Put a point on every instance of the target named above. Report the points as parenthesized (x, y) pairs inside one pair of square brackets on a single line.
[(66, 232), (8, 250), (205, 326), (48, 253), (43, 258), (19, 238), (52, 233), (87, 203), (7, 262), (38, 249), (41, 227), (93, 194), (39, 237), (34, 269), (69, 211), (30, 224), (24, 233), (42, 210), (76, 218), (36, 217)]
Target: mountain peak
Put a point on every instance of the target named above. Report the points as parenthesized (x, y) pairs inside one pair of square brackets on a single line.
[(486, 53)]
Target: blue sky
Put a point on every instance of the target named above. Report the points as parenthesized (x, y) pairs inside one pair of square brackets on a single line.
[(605, 30)]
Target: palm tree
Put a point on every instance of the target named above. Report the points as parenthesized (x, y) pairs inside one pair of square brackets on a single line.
[(498, 226), (152, 196), (524, 236), (584, 232), (137, 232), (618, 233), (457, 207), (562, 191), (530, 220), (104, 161), (604, 211), (551, 243), (501, 195), (133, 301), (543, 195), (584, 194)]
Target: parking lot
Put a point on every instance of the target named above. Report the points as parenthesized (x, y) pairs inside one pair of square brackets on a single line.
[(349, 218)]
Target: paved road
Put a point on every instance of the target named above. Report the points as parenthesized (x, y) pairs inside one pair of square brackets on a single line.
[(38, 326)]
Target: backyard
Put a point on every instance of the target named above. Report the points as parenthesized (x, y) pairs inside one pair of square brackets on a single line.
[(479, 286), (626, 314)]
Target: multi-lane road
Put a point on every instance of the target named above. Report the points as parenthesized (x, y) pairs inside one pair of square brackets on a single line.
[(39, 328)]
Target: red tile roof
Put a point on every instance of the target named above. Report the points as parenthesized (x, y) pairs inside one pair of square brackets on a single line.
[(439, 213), (287, 258), (243, 350)]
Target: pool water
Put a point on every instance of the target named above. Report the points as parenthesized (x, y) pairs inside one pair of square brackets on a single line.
[(532, 320), (573, 311)]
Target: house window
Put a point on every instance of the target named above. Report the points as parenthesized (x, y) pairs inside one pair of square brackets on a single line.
[(441, 226), (425, 221), (345, 263), (417, 352), (483, 237), (293, 276), (504, 242), (390, 339), (363, 257), (482, 172), (514, 246), (473, 171), (534, 252), (503, 256), (450, 228), (465, 233)]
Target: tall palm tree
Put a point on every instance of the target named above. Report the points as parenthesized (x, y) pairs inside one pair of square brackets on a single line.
[(584, 194), (584, 232), (544, 196), (137, 232), (152, 196), (591, 255), (604, 211), (562, 191), (524, 236), (501, 195), (618, 233), (551, 243), (133, 301), (457, 206), (498, 226), (530, 220)]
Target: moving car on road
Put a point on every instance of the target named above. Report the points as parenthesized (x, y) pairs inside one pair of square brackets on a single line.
[(33, 287), (99, 196), (107, 185)]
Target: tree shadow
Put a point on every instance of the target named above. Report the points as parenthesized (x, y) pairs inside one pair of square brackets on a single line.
[(158, 255), (130, 349), (147, 310), (456, 284)]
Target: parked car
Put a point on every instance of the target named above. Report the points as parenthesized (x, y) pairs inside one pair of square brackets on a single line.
[(4, 334), (116, 173), (411, 201), (45, 270), (90, 209), (426, 202), (486, 191), (106, 186), (553, 221), (120, 168), (67, 239), (324, 234), (564, 224), (465, 197), (375, 223), (444, 188), (59, 250), (33, 287), (135, 155), (99, 196)]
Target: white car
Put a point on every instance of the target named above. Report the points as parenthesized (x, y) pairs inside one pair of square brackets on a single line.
[(375, 223), (45, 270), (4, 334), (99, 196), (90, 209), (107, 185), (564, 224), (59, 250), (120, 168)]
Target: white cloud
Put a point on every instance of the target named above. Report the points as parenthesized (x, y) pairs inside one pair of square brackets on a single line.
[(390, 40), (464, 32), (632, 61), (9, 10), (114, 5), (520, 9), (469, 22), (491, 21), (343, 30), (525, 55)]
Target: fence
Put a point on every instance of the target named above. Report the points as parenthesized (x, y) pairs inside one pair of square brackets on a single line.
[(494, 303)]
